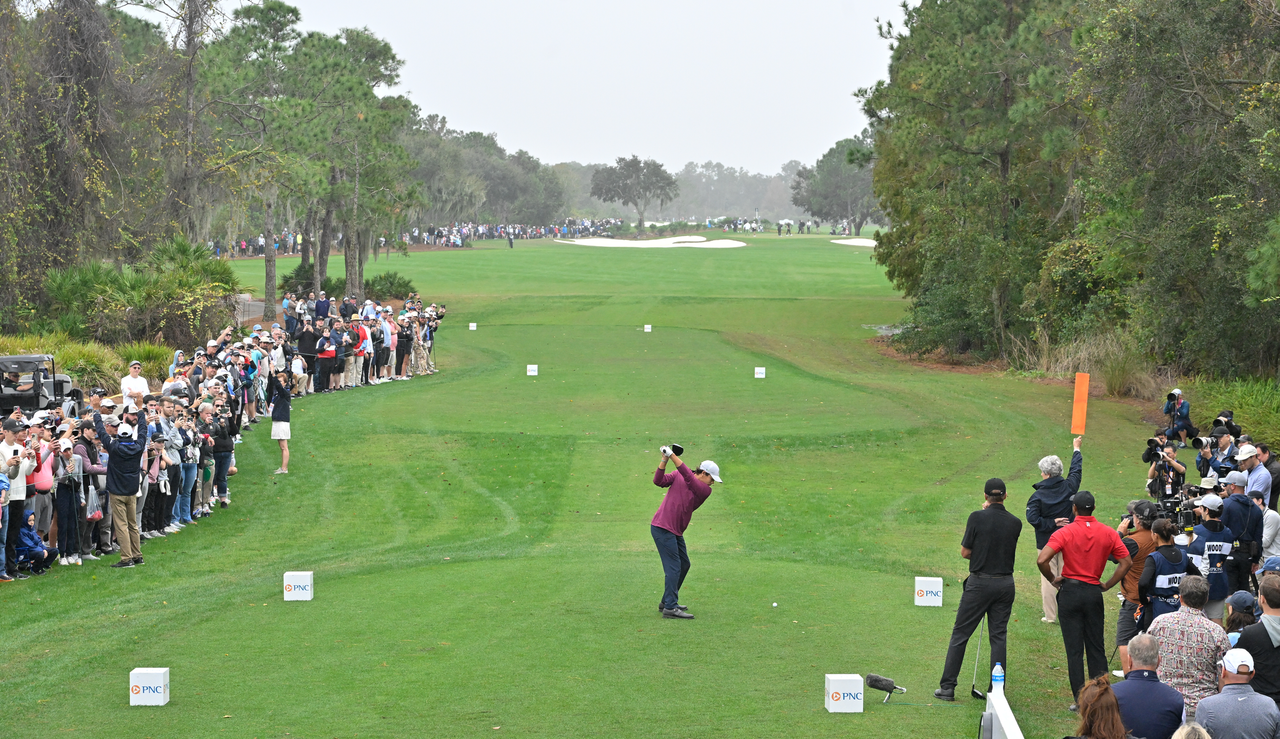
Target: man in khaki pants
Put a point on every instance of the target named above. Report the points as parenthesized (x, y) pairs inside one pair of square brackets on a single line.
[(126, 460), (1048, 510)]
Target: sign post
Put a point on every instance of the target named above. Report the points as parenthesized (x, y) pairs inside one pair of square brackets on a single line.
[(1080, 405)]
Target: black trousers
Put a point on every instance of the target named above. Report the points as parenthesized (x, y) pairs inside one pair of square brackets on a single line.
[(1238, 572), (17, 517), (1082, 620), (991, 597)]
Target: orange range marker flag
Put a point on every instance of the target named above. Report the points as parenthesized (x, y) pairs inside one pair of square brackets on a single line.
[(1080, 405)]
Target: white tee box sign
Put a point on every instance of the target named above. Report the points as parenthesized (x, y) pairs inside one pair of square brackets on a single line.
[(648, 328), (149, 686), (844, 693), (929, 591), (759, 373), (473, 327), (298, 586), (531, 370)]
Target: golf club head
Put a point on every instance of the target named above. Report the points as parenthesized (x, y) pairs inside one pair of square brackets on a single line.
[(679, 450), (977, 693)]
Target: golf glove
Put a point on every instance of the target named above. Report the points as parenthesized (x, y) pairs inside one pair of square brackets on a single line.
[(666, 451)]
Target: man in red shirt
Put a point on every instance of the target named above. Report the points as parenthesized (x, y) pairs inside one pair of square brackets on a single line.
[(688, 490), (1086, 545)]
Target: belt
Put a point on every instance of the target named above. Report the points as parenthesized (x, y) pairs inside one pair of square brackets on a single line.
[(985, 576)]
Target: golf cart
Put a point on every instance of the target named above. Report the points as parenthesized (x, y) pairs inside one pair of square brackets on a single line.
[(50, 390)]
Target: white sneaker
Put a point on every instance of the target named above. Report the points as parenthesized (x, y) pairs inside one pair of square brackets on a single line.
[(62, 561), (78, 562)]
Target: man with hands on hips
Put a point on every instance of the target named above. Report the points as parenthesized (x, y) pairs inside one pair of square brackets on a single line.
[(688, 489)]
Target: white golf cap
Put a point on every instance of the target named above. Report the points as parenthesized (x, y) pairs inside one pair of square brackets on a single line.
[(1246, 451), (125, 430), (711, 468), (1210, 501), (1235, 659), (1176, 391)]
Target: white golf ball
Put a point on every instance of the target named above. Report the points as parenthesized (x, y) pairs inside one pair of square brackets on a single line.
[(775, 605)]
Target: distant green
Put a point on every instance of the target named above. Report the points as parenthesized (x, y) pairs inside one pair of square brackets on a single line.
[(480, 537)]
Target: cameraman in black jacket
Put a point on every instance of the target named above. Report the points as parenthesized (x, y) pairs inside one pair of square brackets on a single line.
[(1152, 452)]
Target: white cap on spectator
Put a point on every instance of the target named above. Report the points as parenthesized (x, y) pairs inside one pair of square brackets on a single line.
[(108, 403), (64, 444), (1246, 451), (1236, 659)]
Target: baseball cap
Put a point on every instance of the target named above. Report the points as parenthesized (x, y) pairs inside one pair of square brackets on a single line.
[(1237, 659), (64, 444), (1210, 501), (711, 468), (1255, 493), (995, 484), (1236, 477), (275, 325), (125, 430), (1176, 391), (135, 363), (110, 421), (322, 292), (1246, 451), (1271, 564), (99, 391), (1146, 510), (368, 302), (257, 327), (13, 425), (64, 427), (1242, 600), (108, 403), (1084, 499)]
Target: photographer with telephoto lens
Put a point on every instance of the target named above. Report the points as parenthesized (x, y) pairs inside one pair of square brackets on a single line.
[(1178, 409), (1154, 446), (1166, 474), (1217, 453)]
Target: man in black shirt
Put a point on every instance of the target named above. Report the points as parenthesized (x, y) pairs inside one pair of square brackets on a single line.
[(990, 542)]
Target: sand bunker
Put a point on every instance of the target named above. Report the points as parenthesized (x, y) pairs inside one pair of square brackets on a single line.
[(697, 242), (854, 242)]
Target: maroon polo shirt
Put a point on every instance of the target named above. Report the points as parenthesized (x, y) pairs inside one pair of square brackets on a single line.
[(685, 494)]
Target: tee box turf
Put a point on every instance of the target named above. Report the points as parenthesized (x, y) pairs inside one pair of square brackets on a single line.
[(149, 686), (298, 586)]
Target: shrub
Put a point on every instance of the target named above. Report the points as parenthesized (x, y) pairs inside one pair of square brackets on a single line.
[(88, 363), (387, 286), (1256, 403), (181, 293), (155, 359)]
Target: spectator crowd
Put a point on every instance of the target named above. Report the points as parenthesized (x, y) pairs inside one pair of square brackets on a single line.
[(83, 483), (1198, 631)]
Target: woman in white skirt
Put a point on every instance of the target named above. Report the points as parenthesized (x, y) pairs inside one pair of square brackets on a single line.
[(279, 396)]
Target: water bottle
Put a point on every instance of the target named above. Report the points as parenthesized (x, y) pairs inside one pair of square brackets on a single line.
[(997, 678)]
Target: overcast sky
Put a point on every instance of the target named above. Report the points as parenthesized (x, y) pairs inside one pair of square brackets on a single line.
[(749, 84)]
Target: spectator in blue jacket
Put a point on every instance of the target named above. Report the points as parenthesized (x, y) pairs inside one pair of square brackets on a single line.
[(1244, 519), (1048, 510), (1180, 409), (1149, 708), (31, 548)]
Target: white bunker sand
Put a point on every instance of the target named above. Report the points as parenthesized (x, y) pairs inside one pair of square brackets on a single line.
[(697, 242), (854, 242)]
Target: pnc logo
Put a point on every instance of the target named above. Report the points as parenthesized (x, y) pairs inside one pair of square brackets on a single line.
[(290, 587), (154, 689), (838, 696), (135, 689), (928, 593)]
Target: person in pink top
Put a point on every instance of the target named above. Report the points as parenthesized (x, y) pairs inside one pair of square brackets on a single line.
[(687, 490)]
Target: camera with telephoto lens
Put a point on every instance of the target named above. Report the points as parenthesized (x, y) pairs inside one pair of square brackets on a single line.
[(1179, 507), (1171, 397), (1201, 442)]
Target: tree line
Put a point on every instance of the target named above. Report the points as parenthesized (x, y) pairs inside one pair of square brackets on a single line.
[(1055, 171)]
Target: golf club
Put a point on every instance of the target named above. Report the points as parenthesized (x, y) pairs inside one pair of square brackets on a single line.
[(973, 689)]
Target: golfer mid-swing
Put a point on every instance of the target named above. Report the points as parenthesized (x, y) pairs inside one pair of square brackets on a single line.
[(687, 491)]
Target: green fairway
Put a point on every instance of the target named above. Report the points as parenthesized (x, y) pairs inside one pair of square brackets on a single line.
[(480, 538)]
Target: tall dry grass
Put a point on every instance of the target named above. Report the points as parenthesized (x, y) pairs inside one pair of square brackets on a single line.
[(1122, 366)]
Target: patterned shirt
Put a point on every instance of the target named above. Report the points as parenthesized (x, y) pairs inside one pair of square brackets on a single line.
[(1190, 647)]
